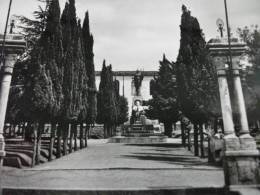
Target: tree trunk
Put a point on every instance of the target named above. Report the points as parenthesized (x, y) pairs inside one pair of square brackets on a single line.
[(108, 128), (189, 142), (65, 138), (105, 131), (76, 137), (23, 130), (52, 139), (72, 130), (59, 132), (19, 131), (168, 129), (81, 144), (35, 131), (39, 142), (210, 155), (28, 132), (196, 141), (202, 154), (215, 125), (183, 136), (13, 130), (86, 135), (10, 130)]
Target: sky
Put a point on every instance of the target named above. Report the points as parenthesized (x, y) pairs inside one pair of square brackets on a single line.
[(134, 34)]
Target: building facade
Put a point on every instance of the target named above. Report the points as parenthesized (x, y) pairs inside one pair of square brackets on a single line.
[(126, 85)]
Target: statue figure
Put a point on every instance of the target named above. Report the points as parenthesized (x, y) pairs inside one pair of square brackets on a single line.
[(137, 111), (138, 78)]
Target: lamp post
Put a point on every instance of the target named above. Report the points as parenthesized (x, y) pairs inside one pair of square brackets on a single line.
[(2, 60), (238, 93)]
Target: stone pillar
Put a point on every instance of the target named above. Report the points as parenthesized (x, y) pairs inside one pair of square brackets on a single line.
[(14, 45), (240, 153), (238, 93), (6, 77)]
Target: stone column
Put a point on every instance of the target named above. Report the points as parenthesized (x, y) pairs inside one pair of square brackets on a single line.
[(219, 60), (224, 98), (240, 154), (6, 77), (13, 46), (240, 102)]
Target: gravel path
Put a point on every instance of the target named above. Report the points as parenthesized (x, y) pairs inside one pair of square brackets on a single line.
[(119, 166)]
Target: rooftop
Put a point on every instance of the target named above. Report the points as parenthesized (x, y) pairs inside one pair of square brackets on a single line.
[(130, 73)]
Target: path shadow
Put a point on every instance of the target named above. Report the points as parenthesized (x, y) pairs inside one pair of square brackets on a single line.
[(168, 158), (162, 145), (170, 153)]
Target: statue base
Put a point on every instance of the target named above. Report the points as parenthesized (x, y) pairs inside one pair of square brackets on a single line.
[(139, 133)]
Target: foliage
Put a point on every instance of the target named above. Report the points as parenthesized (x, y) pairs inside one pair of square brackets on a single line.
[(106, 104), (121, 105), (42, 85), (74, 73), (88, 42), (196, 76), (164, 105), (251, 73), (33, 28)]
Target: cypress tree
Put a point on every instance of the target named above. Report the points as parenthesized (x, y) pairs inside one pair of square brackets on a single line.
[(106, 101), (122, 110), (121, 105), (75, 82), (163, 105), (88, 43), (82, 85), (196, 76), (42, 86), (71, 109)]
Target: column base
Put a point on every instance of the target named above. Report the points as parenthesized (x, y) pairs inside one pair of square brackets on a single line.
[(247, 142), (231, 142), (241, 161), (2, 151), (2, 146)]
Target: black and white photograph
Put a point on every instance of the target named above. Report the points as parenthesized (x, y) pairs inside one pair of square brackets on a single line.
[(129, 97)]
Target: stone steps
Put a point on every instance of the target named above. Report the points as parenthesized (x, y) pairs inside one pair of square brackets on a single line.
[(138, 140), (140, 131), (139, 134)]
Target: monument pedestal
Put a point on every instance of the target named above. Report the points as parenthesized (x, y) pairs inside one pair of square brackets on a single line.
[(139, 133)]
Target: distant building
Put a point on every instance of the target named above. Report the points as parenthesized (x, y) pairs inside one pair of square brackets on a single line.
[(126, 86)]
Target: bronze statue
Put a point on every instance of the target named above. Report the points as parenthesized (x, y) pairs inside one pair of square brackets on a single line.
[(138, 78)]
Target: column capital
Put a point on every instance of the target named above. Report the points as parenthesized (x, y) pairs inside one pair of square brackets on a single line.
[(14, 43)]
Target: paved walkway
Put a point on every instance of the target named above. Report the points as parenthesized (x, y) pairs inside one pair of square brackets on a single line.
[(119, 166)]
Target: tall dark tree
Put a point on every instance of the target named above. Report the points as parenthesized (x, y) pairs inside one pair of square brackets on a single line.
[(164, 105), (121, 105), (43, 92), (75, 76), (88, 43), (82, 87), (196, 76), (123, 110), (106, 101)]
